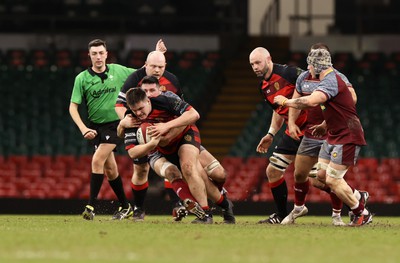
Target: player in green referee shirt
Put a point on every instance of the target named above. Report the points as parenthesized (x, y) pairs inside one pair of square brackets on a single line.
[(98, 87)]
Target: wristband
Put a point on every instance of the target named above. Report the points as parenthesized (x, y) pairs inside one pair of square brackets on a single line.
[(86, 133), (271, 131), (283, 102)]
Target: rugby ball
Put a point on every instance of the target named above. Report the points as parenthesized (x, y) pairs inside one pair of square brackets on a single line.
[(142, 135)]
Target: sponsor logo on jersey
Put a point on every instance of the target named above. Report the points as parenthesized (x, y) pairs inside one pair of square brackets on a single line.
[(97, 93)]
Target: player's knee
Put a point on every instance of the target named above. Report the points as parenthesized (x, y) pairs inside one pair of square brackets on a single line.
[(335, 173), (211, 167), (140, 172), (279, 162), (170, 171), (187, 168), (313, 171)]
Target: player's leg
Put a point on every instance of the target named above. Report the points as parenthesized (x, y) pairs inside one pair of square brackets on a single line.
[(139, 186), (281, 158), (215, 195), (158, 164), (341, 157), (213, 168), (303, 165), (188, 159), (115, 181), (171, 172)]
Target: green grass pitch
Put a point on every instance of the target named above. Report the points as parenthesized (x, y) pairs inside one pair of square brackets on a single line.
[(57, 238)]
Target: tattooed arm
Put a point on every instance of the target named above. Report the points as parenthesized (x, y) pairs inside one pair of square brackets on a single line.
[(305, 102)]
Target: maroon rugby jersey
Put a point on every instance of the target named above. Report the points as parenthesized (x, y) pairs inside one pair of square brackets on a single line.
[(343, 123)]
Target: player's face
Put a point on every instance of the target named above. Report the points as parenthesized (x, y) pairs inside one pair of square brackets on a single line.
[(151, 90), (312, 71), (259, 64), (98, 56), (141, 109), (155, 68)]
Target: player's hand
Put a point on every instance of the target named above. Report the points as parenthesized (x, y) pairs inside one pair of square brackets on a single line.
[(160, 46), (90, 134), (154, 140), (279, 100), (319, 130), (158, 129), (294, 131), (130, 122), (264, 144)]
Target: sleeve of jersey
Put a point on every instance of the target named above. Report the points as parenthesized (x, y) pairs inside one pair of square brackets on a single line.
[(131, 82), (174, 80), (299, 81), (130, 139), (345, 79), (329, 86), (77, 90), (177, 106)]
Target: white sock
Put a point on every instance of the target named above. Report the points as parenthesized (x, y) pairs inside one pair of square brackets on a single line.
[(336, 213), (298, 208), (354, 207), (357, 194)]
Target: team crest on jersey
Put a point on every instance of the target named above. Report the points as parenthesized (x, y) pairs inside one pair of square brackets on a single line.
[(163, 88), (323, 108), (188, 138), (334, 154), (276, 86)]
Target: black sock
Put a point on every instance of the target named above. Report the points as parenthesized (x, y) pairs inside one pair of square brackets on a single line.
[(96, 180), (173, 197), (139, 196), (118, 188), (224, 204), (280, 194)]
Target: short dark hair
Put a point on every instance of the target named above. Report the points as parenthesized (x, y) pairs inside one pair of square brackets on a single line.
[(320, 45), (150, 80), (96, 43), (135, 95)]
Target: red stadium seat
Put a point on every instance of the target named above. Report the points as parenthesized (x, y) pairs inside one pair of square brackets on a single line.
[(64, 58), (39, 58), (8, 170), (43, 160), (18, 160), (68, 160), (57, 171), (32, 171), (16, 58)]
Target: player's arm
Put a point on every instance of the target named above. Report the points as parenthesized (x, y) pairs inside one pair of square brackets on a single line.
[(169, 136), (316, 98), (142, 150), (128, 121), (86, 132), (293, 114), (353, 94), (160, 46), (276, 124), (120, 110)]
